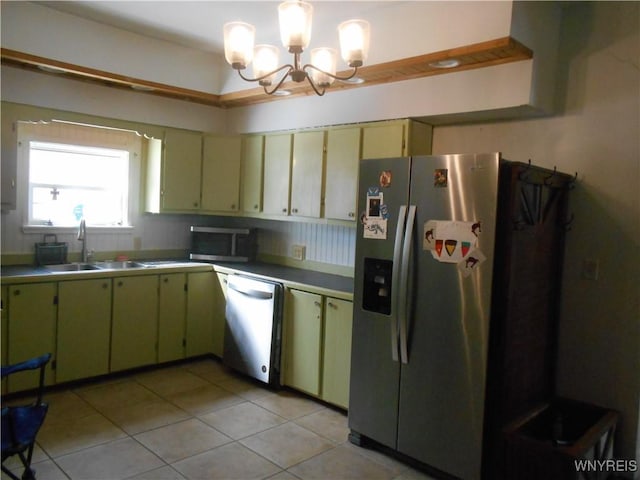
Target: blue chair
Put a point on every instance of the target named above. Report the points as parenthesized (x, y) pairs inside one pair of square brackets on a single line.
[(20, 424)]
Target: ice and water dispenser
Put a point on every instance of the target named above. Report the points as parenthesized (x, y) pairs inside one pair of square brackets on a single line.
[(376, 295)]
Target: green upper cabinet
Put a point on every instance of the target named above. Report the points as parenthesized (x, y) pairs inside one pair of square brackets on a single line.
[(252, 168), (84, 328), (302, 341), (171, 317), (307, 174), (221, 173), (200, 308), (336, 358), (174, 171), (396, 138), (277, 173), (134, 333), (32, 330), (341, 181), (181, 170)]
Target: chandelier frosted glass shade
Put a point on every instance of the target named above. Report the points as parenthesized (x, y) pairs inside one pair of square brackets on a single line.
[(295, 32)]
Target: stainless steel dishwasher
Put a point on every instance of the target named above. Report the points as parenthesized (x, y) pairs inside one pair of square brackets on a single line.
[(253, 327)]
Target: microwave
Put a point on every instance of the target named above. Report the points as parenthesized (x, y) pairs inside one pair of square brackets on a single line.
[(217, 244)]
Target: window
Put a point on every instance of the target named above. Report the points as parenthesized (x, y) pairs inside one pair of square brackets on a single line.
[(69, 182), (76, 171)]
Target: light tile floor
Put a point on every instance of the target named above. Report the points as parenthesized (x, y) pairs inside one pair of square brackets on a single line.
[(199, 420)]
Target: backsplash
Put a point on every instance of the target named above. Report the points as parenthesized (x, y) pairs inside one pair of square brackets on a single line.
[(327, 244)]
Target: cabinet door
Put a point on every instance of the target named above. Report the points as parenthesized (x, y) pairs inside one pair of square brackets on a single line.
[(302, 341), (32, 328), (341, 184), (221, 173), (219, 313), (277, 174), (386, 140), (181, 170), (252, 171), (84, 328), (307, 174), (4, 334), (134, 334), (336, 364), (200, 304), (171, 317)]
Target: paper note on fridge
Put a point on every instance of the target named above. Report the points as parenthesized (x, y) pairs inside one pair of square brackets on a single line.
[(450, 241)]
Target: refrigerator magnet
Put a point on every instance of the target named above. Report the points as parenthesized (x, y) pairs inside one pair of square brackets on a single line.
[(441, 177), (385, 178), (375, 228), (471, 263)]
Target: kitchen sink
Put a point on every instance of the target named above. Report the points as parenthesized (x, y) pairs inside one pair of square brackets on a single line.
[(70, 267), (118, 265)]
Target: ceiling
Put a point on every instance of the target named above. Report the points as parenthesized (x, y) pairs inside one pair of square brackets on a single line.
[(199, 25)]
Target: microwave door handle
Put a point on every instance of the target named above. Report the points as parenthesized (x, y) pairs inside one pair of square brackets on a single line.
[(395, 281), (249, 292)]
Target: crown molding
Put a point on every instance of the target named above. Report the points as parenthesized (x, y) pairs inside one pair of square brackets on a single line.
[(479, 55)]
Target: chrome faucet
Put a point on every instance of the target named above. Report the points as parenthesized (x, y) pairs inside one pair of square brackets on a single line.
[(82, 236)]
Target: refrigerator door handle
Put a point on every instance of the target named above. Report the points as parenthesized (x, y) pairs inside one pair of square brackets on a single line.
[(395, 279), (403, 297)]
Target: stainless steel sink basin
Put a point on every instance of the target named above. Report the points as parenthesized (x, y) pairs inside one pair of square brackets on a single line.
[(118, 265), (71, 267)]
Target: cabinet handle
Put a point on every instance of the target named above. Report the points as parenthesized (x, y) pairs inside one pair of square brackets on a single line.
[(295, 210), (105, 286), (351, 214), (120, 284), (195, 204), (16, 292), (166, 280), (332, 305), (284, 210), (255, 207), (316, 303), (233, 206)]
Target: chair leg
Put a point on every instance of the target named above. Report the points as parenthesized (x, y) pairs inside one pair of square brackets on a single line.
[(9, 473)]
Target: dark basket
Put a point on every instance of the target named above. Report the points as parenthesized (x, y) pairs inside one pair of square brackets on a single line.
[(51, 252)]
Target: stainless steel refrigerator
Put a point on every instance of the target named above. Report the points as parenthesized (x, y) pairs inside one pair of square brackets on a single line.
[(424, 273)]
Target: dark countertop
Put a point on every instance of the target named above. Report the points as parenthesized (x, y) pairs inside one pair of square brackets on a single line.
[(324, 283), (290, 275)]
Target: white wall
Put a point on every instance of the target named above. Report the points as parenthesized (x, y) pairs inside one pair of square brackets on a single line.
[(595, 134)]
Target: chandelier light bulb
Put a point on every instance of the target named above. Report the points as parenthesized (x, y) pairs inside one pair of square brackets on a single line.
[(239, 38), (265, 62), (354, 41), (295, 25)]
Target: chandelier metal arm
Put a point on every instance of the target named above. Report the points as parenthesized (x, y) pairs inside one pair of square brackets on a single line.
[(287, 67), (337, 77)]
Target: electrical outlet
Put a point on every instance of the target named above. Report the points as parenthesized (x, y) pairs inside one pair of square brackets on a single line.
[(297, 252)]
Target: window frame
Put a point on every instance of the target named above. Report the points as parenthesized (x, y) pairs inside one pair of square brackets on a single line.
[(70, 133)]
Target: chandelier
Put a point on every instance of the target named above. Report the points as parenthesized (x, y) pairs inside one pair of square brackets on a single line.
[(295, 33)]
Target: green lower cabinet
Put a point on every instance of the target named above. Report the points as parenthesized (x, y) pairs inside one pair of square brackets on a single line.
[(171, 317), (219, 313), (302, 341), (84, 327), (32, 330), (200, 307), (4, 291), (336, 357), (134, 334)]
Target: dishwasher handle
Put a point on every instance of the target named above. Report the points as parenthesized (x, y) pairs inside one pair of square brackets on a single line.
[(250, 292)]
